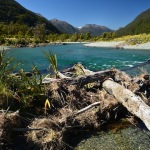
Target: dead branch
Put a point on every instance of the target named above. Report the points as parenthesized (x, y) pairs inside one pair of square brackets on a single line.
[(83, 80), (87, 108), (49, 80), (26, 129)]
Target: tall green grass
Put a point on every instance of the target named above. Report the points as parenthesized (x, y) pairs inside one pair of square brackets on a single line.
[(21, 91), (52, 58)]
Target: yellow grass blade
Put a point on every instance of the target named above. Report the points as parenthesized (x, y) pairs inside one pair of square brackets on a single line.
[(47, 103)]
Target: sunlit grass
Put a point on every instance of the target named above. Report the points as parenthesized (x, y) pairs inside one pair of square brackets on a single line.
[(135, 39), (52, 58)]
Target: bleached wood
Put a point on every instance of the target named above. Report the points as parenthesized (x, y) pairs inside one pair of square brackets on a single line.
[(87, 108), (128, 99)]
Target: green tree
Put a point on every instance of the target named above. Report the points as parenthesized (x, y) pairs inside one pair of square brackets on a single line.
[(81, 36), (74, 37), (39, 32), (88, 36), (63, 37)]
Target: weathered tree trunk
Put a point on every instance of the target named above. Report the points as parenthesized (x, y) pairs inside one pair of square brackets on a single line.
[(83, 80), (128, 99), (95, 77)]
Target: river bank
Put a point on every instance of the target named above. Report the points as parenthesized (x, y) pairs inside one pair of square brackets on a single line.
[(112, 44), (33, 45), (119, 45)]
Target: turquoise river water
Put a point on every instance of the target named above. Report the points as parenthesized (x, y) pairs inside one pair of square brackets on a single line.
[(93, 58)]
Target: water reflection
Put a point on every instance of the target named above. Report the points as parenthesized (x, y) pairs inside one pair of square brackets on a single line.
[(118, 136)]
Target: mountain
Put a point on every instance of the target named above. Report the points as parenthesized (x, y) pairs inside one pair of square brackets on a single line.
[(95, 30), (64, 26), (141, 24), (12, 11)]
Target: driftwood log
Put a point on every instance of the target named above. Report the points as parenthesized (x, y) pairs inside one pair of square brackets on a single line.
[(83, 80), (128, 99)]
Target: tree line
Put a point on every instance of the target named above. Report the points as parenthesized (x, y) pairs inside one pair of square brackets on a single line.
[(15, 33)]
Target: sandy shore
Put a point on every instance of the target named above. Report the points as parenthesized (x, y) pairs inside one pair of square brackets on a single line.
[(145, 46), (120, 44)]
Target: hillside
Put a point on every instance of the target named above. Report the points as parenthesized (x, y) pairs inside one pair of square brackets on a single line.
[(141, 24), (12, 11), (63, 26), (95, 30)]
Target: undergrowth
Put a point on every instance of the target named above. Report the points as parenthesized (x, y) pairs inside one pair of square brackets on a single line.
[(18, 91)]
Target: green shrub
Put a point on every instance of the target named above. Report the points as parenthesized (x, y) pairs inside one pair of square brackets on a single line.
[(21, 88)]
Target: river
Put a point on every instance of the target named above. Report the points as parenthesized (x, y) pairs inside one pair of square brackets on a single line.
[(92, 57)]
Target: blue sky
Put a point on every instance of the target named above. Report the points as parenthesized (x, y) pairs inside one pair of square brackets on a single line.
[(111, 13)]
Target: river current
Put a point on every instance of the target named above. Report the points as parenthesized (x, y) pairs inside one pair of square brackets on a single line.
[(67, 55)]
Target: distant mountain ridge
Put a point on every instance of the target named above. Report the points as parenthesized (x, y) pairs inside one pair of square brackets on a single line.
[(65, 27), (12, 11), (141, 24), (95, 30)]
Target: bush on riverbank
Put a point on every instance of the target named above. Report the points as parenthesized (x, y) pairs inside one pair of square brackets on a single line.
[(19, 91)]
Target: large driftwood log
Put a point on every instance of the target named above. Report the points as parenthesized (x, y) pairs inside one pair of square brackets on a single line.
[(128, 99), (80, 81), (80, 76)]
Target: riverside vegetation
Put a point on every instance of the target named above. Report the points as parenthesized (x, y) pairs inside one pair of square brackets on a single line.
[(45, 111), (16, 35)]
